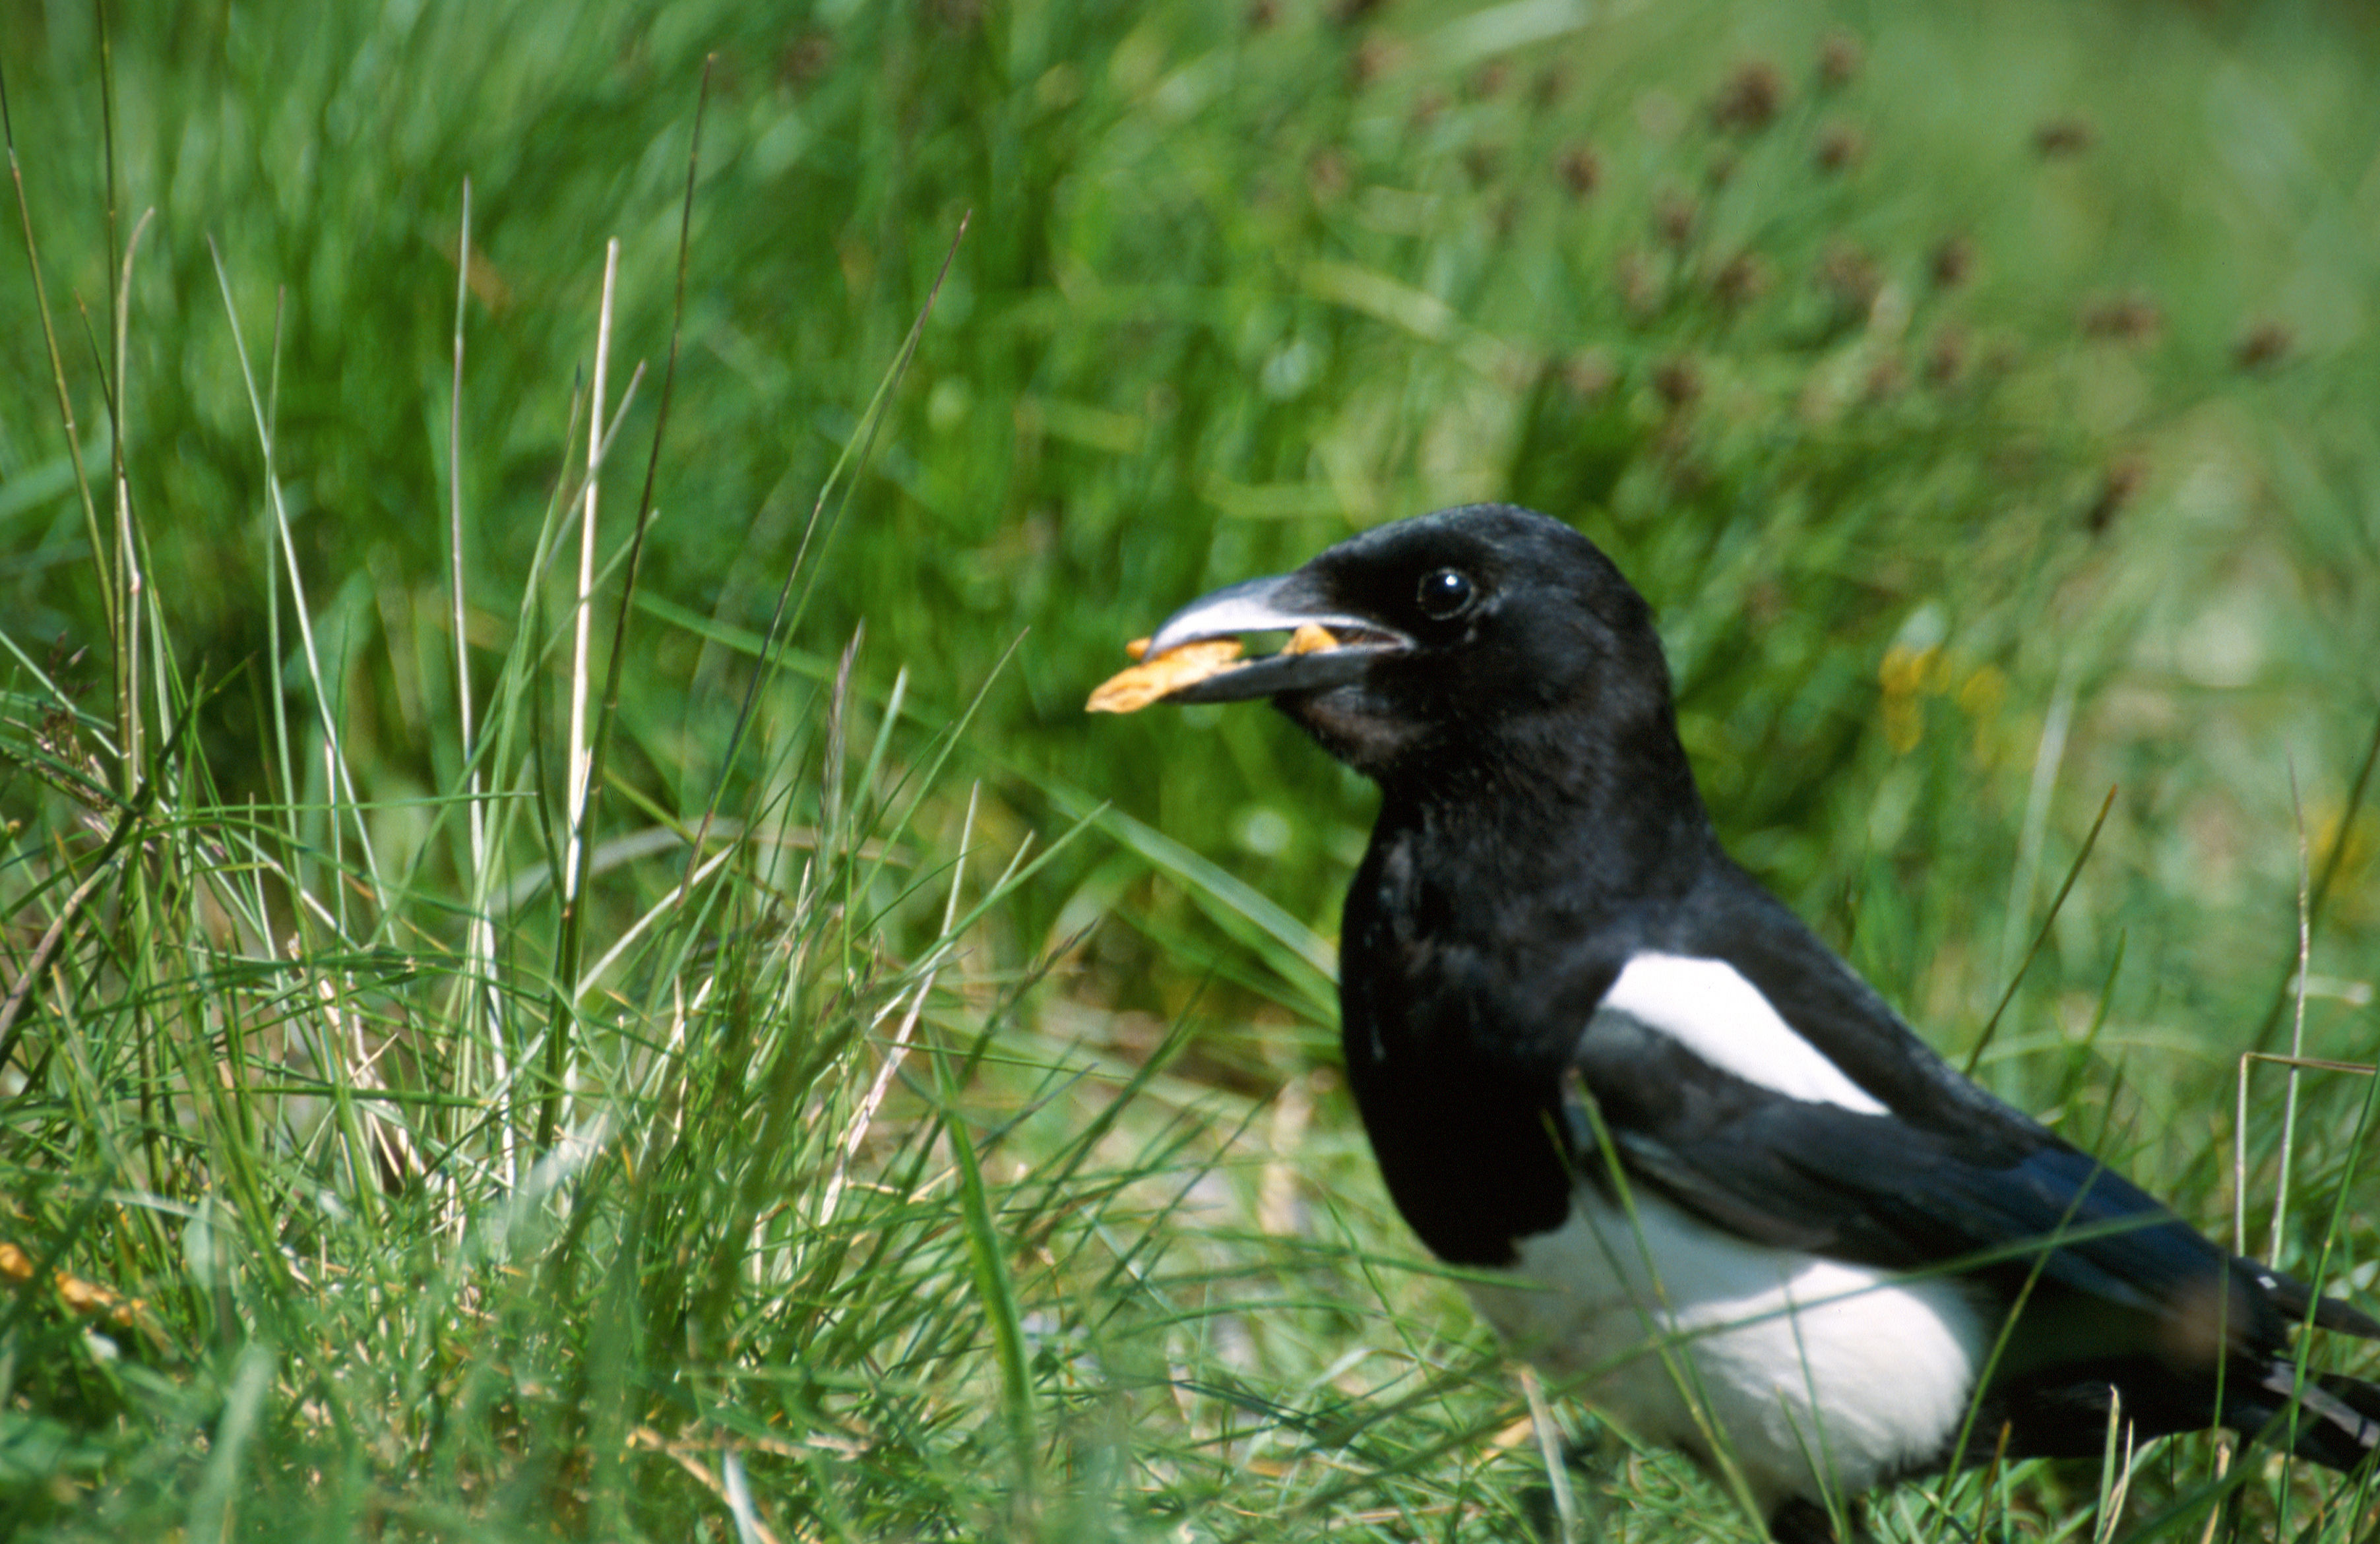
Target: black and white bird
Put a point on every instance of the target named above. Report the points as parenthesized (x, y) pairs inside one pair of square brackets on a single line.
[(1726, 1188)]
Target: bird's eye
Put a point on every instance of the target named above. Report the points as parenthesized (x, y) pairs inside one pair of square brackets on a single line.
[(1445, 593)]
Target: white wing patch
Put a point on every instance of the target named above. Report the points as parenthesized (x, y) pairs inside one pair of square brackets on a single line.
[(1708, 1007)]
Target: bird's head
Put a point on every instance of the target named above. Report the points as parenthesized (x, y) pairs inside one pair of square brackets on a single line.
[(1476, 634)]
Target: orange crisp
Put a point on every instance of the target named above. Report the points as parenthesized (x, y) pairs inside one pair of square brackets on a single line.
[(1134, 690)]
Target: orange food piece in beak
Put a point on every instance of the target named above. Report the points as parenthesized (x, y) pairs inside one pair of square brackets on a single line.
[(1134, 690)]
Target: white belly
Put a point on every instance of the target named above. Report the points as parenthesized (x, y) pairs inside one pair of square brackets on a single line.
[(1796, 1363)]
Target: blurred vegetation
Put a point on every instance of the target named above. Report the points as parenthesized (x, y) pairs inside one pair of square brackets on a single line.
[(1984, 400)]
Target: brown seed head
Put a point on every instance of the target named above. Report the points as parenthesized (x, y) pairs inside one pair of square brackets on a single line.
[(1750, 100), (1840, 59), (1953, 263), (2263, 346), (2133, 318), (1589, 373), (2061, 137), (1582, 170), (1673, 219), (1679, 381), (1741, 280), (1841, 148), (1946, 361), (2117, 486), (1327, 175), (1640, 287), (804, 59), (1849, 275)]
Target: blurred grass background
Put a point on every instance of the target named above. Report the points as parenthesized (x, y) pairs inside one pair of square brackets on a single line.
[(1985, 402)]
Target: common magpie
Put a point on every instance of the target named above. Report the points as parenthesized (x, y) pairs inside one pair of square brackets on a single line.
[(1697, 1166)]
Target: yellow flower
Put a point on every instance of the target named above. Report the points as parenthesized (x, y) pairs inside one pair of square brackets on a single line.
[(1907, 676)]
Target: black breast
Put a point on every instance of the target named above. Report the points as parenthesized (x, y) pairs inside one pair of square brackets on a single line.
[(1465, 1114)]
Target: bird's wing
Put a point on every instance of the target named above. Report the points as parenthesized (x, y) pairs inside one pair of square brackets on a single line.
[(1972, 1149), (1712, 1100)]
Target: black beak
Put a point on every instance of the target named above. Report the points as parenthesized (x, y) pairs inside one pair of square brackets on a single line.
[(1284, 602)]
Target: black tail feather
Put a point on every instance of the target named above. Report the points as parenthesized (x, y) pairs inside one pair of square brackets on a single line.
[(2337, 1417), (2298, 1302)]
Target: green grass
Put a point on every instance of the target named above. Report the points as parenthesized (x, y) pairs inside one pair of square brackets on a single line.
[(928, 1097)]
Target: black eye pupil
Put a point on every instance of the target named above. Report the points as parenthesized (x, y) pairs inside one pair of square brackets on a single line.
[(1444, 591)]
